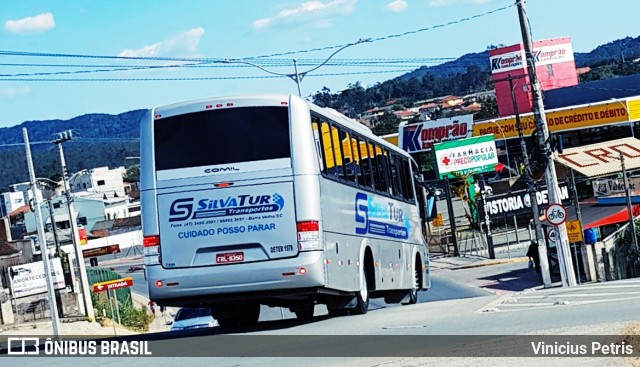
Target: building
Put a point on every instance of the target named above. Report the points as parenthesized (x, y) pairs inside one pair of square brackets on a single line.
[(101, 179), (10, 202)]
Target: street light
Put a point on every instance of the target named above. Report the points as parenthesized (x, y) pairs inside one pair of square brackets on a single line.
[(297, 76)]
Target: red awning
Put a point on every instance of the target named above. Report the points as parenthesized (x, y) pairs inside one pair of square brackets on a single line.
[(618, 217), (601, 215)]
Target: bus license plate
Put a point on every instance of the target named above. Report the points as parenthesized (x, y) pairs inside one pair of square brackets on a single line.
[(231, 257)]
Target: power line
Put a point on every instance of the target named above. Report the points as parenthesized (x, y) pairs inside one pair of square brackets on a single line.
[(401, 63), (217, 60), (189, 78), (270, 62)]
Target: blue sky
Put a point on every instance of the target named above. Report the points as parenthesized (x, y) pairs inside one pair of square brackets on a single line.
[(217, 29)]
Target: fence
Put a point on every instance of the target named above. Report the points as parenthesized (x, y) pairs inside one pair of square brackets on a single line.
[(102, 301)]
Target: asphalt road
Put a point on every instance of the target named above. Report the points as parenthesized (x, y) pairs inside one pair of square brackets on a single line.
[(487, 301)]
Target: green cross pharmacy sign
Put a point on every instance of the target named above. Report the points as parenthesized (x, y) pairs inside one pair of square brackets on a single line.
[(466, 156)]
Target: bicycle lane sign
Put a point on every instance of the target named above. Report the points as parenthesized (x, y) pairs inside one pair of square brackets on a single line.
[(556, 214)]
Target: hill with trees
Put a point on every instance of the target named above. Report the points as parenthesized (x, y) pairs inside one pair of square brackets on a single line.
[(105, 140)]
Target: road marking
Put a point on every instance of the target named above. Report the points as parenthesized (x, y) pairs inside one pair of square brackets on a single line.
[(584, 295)]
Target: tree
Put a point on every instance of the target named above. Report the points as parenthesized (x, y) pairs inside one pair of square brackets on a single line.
[(488, 109), (386, 124)]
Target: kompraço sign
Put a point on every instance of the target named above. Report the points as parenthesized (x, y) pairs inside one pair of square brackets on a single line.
[(421, 137)]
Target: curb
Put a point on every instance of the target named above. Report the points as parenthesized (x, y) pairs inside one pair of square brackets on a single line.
[(490, 263)]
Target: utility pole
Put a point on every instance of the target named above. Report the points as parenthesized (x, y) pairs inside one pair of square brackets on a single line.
[(53, 227), (531, 190), (627, 194), (51, 294), (84, 281), (452, 216), (487, 221), (564, 253)]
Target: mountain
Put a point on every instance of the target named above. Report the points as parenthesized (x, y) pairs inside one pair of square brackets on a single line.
[(468, 74), (99, 140), (105, 140)]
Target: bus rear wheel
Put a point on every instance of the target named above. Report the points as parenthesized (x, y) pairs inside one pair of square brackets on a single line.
[(362, 297), (417, 280)]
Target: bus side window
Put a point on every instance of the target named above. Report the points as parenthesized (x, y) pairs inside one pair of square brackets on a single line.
[(349, 157), (337, 152), (315, 122), (327, 150), (394, 168), (405, 176), (364, 163), (381, 170)]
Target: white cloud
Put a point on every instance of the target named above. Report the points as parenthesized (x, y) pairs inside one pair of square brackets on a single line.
[(186, 42), (11, 92), (397, 6), (456, 2), (31, 25), (315, 12)]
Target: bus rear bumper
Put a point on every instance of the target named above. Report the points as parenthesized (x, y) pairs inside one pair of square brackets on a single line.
[(226, 282)]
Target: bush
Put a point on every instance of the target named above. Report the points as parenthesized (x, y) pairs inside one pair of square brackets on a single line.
[(136, 319)]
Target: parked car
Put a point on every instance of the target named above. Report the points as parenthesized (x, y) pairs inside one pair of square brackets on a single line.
[(193, 318)]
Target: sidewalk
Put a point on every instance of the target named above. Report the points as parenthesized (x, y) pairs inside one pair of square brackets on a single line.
[(498, 276)]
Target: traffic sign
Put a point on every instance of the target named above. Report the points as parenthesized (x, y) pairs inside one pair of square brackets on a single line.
[(574, 231), (112, 284), (552, 236), (556, 214)]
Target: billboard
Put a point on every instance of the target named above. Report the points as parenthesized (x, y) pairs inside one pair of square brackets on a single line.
[(555, 68), (466, 156), (542, 55), (421, 137), (29, 279)]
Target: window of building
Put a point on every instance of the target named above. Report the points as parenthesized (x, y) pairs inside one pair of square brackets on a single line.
[(100, 182)]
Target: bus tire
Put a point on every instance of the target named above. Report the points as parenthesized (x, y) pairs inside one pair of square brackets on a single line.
[(417, 281), (362, 297)]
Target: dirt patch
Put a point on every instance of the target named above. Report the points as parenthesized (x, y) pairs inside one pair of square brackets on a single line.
[(631, 335)]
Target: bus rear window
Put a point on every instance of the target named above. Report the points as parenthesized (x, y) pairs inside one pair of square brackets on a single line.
[(233, 135)]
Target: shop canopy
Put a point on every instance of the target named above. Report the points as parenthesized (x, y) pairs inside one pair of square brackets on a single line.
[(595, 215), (602, 159)]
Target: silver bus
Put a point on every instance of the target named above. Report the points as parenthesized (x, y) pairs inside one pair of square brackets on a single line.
[(272, 200)]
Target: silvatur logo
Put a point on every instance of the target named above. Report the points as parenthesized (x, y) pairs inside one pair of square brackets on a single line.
[(380, 218), (184, 209)]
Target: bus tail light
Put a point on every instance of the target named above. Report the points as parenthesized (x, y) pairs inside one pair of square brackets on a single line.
[(151, 246), (308, 235)]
